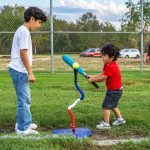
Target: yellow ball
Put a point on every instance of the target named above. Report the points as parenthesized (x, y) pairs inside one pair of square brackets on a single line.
[(75, 65)]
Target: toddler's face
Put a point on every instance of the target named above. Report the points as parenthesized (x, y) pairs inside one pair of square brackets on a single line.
[(106, 59)]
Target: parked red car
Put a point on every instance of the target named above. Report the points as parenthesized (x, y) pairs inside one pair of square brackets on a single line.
[(91, 52)]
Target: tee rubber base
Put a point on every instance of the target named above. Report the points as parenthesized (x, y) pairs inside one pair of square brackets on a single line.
[(78, 133)]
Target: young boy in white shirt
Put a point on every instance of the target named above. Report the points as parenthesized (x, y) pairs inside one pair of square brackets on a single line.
[(21, 71)]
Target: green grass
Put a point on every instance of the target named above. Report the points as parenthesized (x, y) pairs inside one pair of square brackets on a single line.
[(47, 144), (144, 145), (53, 93)]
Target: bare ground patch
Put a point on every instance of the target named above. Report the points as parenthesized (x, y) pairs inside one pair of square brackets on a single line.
[(41, 62), (96, 135)]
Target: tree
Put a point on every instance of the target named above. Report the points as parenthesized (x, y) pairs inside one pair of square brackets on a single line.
[(88, 22), (10, 19), (132, 19), (107, 27)]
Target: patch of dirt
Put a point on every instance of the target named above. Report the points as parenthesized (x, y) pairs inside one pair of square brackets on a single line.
[(102, 135), (7, 130), (146, 81), (5, 57), (129, 83), (43, 62)]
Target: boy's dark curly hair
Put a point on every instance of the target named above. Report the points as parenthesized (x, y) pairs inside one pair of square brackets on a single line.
[(111, 50), (35, 12)]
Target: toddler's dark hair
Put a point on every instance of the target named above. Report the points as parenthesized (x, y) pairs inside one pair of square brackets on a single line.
[(111, 50), (35, 12)]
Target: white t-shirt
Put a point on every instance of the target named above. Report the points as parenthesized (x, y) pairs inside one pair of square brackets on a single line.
[(21, 40)]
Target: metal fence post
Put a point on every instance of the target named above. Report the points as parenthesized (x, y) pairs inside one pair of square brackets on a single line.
[(142, 36), (51, 33)]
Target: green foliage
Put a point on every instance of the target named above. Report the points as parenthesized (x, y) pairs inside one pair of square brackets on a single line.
[(12, 17), (88, 22), (41, 43), (132, 19)]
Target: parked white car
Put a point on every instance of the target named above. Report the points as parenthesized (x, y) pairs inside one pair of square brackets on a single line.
[(130, 53)]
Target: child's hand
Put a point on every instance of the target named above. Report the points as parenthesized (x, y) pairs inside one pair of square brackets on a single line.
[(90, 79), (89, 76), (31, 78)]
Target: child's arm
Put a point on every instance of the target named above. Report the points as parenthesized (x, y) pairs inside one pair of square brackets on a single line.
[(94, 76), (25, 60), (97, 78)]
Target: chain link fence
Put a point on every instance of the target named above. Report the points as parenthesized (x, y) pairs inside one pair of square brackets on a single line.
[(77, 26)]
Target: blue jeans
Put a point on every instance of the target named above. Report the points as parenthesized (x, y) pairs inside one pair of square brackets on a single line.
[(21, 84)]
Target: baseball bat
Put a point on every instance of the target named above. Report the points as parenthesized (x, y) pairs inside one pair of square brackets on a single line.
[(70, 62)]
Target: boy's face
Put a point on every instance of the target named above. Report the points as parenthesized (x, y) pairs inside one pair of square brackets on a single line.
[(35, 24), (106, 59)]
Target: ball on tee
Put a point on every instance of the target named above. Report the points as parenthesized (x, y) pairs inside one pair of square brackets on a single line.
[(75, 65)]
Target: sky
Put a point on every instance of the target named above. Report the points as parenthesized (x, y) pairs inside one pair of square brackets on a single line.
[(71, 10)]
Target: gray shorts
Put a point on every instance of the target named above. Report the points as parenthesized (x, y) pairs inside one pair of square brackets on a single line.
[(111, 99)]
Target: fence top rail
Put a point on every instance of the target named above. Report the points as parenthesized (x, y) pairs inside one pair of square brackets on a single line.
[(79, 32)]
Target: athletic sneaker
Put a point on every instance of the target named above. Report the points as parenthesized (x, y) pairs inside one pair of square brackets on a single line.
[(103, 125), (26, 132), (118, 121), (31, 126)]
